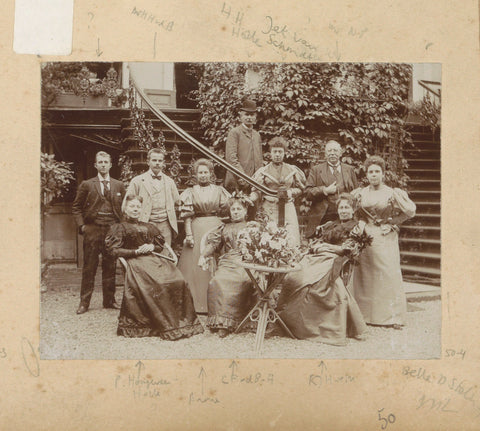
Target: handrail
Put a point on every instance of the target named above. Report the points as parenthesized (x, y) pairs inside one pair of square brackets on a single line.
[(423, 83), (196, 144)]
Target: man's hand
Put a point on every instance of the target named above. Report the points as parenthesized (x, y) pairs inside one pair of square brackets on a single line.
[(145, 249), (189, 242), (82, 228), (331, 189)]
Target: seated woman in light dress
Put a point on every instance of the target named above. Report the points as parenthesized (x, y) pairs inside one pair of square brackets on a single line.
[(315, 302)]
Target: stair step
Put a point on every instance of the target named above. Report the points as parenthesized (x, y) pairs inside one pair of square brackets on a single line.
[(421, 269), (422, 153), (421, 254), (425, 181), (429, 228), (427, 219), (428, 207), (421, 240), (423, 173), (425, 245), (423, 163), (425, 193), (420, 231)]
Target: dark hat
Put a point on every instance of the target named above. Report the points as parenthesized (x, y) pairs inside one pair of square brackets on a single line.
[(248, 106)]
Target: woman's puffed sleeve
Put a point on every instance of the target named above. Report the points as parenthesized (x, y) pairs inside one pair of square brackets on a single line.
[(213, 241), (115, 240), (402, 202), (186, 204), (300, 178)]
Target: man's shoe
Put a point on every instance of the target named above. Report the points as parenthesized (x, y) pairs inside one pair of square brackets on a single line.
[(112, 305), (82, 309)]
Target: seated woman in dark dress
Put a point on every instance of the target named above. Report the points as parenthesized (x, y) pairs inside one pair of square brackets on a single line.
[(314, 302), (156, 301), (230, 290)]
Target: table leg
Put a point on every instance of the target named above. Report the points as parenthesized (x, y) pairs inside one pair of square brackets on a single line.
[(261, 327), (277, 317)]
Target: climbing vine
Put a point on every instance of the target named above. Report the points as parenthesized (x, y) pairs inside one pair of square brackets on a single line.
[(363, 105)]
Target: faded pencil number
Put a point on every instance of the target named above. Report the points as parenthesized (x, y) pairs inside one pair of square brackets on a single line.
[(3, 353), (451, 353), (390, 419)]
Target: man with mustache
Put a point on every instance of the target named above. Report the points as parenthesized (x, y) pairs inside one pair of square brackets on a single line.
[(325, 182)]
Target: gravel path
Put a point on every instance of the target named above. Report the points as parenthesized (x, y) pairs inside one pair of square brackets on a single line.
[(65, 335)]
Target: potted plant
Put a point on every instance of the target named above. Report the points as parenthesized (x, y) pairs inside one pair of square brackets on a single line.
[(55, 178)]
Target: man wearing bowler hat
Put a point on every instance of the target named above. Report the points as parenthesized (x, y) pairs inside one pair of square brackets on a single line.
[(243, 148)]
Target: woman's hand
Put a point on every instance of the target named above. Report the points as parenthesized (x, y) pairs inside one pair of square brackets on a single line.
[(189, 242), (203, 262), (145, 249), (386, 228)]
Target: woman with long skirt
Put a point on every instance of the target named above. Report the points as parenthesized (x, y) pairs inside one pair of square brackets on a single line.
[(156, 301), (201, 208), (377, 280), (230, 292), (315, 302)]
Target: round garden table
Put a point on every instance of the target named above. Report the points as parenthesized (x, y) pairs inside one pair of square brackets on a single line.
[(262, 312)]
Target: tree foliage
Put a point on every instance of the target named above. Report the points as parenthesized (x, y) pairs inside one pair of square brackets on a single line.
[(55, 178), (364, 106)]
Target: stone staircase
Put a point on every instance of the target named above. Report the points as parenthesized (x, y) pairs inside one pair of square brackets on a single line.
[(420, 236)]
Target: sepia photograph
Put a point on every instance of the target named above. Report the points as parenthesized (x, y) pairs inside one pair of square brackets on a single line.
[(240, 210)]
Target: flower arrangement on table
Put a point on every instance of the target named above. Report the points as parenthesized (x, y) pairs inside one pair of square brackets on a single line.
[(265, 243)]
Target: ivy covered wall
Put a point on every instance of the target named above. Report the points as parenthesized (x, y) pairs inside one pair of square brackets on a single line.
[(363, 105)]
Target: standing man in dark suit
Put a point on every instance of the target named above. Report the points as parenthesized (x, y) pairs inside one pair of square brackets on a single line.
[(243, 148), (324, 184), (96, 207)]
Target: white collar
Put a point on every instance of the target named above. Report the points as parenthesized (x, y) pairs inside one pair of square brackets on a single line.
[(107, 178), (337, 166)]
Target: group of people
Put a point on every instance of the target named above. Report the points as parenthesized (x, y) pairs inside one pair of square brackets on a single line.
[(318, 302)]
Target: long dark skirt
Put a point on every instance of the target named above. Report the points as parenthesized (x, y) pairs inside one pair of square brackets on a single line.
[(156, 301)]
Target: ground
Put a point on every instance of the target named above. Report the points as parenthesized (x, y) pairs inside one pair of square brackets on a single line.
[(66, 335)]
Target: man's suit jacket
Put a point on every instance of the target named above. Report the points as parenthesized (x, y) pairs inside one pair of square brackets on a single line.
[(316, 182), (89, 200), (142, 185), (243, 152)]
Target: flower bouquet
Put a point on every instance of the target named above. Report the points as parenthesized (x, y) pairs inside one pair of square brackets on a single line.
[(356, 242), (264, 243)]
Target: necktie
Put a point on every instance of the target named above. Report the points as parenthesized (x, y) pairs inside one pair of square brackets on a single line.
[(156, 177), (106, 188)]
